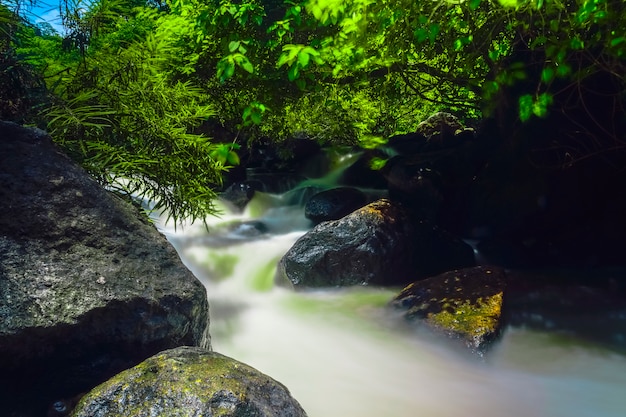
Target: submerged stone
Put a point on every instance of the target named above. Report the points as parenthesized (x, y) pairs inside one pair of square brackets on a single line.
[(464, 304), (186, 382)]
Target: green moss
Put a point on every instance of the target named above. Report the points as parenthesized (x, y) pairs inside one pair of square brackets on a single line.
[(169, 379), (469, 319)]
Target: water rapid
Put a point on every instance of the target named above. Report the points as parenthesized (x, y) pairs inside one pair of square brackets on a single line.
[(341, 355)]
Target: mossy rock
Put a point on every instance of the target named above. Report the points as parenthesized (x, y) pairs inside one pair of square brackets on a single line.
[(186, 382), (465, 304)]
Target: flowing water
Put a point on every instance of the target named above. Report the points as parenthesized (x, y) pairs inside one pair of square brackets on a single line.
[(342, 354)]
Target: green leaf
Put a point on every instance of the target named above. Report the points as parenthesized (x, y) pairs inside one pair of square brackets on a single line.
[(303, 59), (547, 75), (433, 31), (563, 70), (473, 4), (540, 106), (508, 3), (225, 68), (377, 163), (229, 71), (576, 43), (292, 74), (233, 45), (525, 107), (246, 64), (421, 35), (233, 158), (282, 60)]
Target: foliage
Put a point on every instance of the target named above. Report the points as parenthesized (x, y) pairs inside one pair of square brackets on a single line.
[(21, 88), (123, 113), (135, 82)]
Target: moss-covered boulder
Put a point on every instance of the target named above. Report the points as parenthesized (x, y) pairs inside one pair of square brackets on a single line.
[(88, 287), (186, 382), (382, 243), (464, 304)]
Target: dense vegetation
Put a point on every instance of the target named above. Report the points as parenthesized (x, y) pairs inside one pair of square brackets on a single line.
[(164, 93)]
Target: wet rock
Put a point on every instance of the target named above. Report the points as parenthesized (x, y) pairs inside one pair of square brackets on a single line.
[(415, 185), (239, 194), (333, 204), (190, 382), (464, 304), (586, 304), (88, 286), (381, 243)]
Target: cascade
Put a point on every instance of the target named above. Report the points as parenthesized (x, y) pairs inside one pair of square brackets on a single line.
[(340, 352)]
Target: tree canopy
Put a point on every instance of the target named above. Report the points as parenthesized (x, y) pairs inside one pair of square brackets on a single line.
[(134, 88)]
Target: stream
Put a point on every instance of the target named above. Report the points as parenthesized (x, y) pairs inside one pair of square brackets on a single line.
[(341, 353)]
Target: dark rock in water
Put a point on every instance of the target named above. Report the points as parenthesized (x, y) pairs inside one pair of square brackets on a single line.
[(585, 304), (464, 304), (380, 244), (415, 185), (249, 229), (190, 382), (239, 194), (333, 204), (276, 182), (287, 156), (88, 286)]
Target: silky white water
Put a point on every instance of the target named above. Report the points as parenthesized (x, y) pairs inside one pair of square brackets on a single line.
[(342, 355)]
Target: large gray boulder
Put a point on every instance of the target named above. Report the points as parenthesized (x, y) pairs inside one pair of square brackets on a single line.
[(189, 382), (382, 243), (88, 286)]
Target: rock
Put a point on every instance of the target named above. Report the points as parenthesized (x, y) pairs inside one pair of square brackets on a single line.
[(586, 304), (464, 304), (189, 381), (333, 204), (88, 286), (415, 185), (239, 194), (379, 244), (440, 126), (286, 156)]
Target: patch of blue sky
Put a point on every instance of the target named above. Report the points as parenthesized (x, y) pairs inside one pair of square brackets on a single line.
[(45, 11)]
